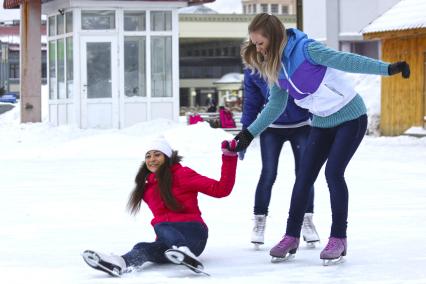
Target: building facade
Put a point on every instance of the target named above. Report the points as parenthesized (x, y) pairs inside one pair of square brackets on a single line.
[(115, 66), (338, 23), (112, 64), (9, 56), (209, 50), (275, 7)]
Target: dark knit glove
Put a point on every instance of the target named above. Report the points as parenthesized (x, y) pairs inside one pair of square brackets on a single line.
[(243, 139), (399, 67)]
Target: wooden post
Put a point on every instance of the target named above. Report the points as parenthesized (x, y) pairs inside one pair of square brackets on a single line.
[(299, 14), (30, 58)]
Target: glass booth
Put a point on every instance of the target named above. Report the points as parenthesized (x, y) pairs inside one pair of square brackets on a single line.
[(112, 67)]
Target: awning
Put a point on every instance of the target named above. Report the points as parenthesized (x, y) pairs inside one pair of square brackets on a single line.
[(10, 4)]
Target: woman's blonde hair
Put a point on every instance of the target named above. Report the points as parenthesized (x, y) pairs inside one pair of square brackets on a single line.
[(270, 27)]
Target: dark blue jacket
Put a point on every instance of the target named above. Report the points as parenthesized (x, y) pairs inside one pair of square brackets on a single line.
[(256, 93)]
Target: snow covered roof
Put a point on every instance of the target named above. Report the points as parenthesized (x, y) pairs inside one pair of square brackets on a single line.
[(230, 78), (405, 15), (201, 9)]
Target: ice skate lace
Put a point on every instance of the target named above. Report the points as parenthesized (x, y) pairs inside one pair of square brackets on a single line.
[(285, 242), (308, 226), (259, 225), (333, 244)]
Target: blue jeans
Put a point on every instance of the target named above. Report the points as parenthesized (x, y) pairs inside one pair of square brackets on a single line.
[(271, 143), (191, 234), (337, 146)]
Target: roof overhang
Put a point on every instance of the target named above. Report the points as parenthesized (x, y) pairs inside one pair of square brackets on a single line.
[(12, 4), (395, 34)]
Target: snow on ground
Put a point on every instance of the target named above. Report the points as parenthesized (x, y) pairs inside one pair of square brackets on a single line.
[(64, 190)]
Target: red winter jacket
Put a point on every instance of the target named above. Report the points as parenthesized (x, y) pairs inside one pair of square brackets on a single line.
[(185, 187)]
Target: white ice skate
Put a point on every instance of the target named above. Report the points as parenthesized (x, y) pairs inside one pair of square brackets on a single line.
[(258, 233), (112, 264), (309, 232), (184, 256)]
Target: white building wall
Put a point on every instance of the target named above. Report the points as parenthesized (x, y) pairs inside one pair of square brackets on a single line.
[(355, 15), (333, 21), (314, 19)]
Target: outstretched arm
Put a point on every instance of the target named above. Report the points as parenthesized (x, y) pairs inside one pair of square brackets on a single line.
[(318, 53), (212, 187)]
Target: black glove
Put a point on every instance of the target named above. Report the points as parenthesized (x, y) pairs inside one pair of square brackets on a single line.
[(244, 139), (399, 67)]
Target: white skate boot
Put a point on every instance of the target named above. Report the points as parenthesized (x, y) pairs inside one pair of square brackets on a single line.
[(309, 233), (112, 264), (258, 233), (184, 256)]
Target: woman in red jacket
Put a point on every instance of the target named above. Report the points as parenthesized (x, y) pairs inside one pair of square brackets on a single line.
[(170, 191)]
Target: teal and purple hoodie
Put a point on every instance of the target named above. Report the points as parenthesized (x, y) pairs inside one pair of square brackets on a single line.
[(314, 76)]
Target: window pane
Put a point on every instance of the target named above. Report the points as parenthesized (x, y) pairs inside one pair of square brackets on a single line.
[(98, 20), (69, 21), (14, 71), (274, 8), (52, 25), (161, 66), (161, 21), (134, 21), (70, 67), (60, 27), (61, 69), (99, 70), (134, 67), (52, 70), (44, 65)]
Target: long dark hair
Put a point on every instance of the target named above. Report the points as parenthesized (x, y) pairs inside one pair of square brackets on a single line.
[(164, 178)]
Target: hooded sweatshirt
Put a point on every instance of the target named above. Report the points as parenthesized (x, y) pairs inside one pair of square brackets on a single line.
[(256, 93), (312, 74)]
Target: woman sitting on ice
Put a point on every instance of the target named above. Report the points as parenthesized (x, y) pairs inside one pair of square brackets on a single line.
[(170, 190)]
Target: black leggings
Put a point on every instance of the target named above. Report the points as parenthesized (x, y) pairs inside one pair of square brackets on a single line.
[(337, 146)]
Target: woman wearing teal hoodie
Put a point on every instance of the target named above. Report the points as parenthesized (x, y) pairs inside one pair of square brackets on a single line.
[(315, 77)]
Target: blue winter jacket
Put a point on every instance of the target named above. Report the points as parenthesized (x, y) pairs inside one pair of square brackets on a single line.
[(256, 93)]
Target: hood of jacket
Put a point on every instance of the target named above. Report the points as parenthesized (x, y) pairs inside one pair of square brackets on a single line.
[(294, 36)]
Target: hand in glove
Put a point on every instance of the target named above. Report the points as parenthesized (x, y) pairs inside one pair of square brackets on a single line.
[(244, 139), (228, 148), (399, 67)]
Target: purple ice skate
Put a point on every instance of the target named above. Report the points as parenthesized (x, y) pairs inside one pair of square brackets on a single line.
[(285, 249), (334, 252)]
